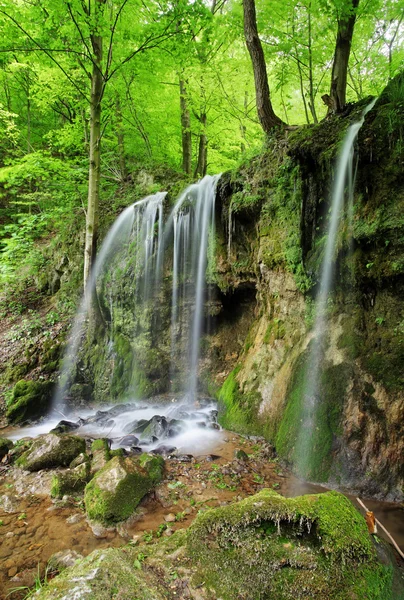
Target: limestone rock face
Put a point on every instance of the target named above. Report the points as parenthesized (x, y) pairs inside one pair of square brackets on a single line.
[(115, 491), (51, 451)]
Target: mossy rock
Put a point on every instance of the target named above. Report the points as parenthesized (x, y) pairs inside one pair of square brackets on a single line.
[(274, 547), (51, 451), (100, 455), (5, 446), (71, 482), (103, 575), (115, 491), (29, 400)]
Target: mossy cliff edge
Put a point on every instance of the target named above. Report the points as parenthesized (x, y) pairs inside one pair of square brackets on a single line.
[(264, 547), (276, 206)]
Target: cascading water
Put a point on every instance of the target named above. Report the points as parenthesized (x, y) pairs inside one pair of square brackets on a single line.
[(137, 246), (137, 220), (343, 187)]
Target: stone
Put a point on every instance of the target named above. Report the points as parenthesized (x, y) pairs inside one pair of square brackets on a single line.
[(71, 481), (116, 490), (82, 458), (156, 426), (240, 454), (73, 519), (64, 427), (5, 446), (9, 503), (51, 451), (100, 455), (170, 518), (128, 441), (12, 571), (164, 450), (63, 559)]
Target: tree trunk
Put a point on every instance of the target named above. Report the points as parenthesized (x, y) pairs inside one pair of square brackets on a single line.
[(266, 114), (185, 130), (202, 164), (95, 153), (120, 138), (341, 58)]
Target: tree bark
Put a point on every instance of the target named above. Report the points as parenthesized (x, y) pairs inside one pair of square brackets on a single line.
[(202, 164), (268, 119), (185, 129), (95, 154), (120, 138), (346, 24)]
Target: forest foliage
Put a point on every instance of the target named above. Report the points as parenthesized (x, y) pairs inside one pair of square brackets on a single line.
[(168, 72)]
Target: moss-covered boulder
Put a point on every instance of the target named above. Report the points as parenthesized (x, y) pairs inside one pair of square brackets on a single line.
[(51, 451), (115, 491), (100, 455), (29, 400), (5, 446), (105, 574), (71, 481), (269, 546)]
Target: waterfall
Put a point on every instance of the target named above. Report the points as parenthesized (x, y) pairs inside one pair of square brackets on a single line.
[(343, 187), (136, 220), (192, 220), (140, 238)]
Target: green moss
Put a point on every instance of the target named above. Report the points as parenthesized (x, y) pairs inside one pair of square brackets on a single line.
[(70, 482), (29, 399), (5, 446), (122, 374), (51, 451), (327, 418), (100, 444), (237, 411), (115, 491), (275, 547)]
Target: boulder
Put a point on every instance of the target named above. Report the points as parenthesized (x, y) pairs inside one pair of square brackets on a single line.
[(51, 451), (100, 454), (63, 559), (70, 482), (115, 491), (29, 400), (157, 426), (5, 446), (64, 427)]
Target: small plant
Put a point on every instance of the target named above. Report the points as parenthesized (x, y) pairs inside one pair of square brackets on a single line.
[(139, 560), (258, 478), (275, 486), (379, 320), (161, 529), (22, 516), (148, 536)]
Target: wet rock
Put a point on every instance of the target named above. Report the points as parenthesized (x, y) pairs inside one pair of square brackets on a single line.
[(213, 426), (120, 409), (100, 531), (164, 450), (117, 489), (128, 441), (63, 559), (150, 441), (141, 426), (240, 455), (64, 427), (182, 458), (156, 426), (5, 446), (79, 460), (175, 427), (9, 503), (71, 482), (201, 424), (131, 427), (51, 451), (136, 450), (73, 519), (211, 458), (100, 454)]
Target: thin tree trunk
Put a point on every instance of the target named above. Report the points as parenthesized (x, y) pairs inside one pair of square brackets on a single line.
[(312, 105), (95, 154), (343, 43), (120, 138), (266, 114), (202, 164), (185, 129)]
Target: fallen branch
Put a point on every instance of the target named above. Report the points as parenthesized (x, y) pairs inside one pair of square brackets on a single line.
[(401, 553)]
